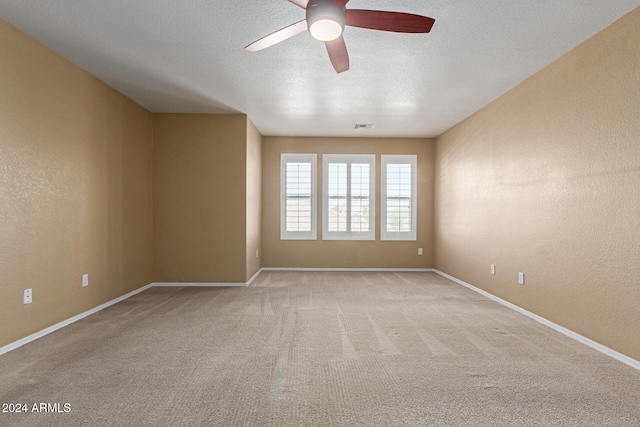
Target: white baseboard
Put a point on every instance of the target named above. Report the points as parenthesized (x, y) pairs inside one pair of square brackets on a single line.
[(390, 270), (584, 340), (7, 348), (198, 284), (254, 277), (207, 284)]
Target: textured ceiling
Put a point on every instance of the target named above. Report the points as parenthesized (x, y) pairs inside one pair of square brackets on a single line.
[(188, 56)]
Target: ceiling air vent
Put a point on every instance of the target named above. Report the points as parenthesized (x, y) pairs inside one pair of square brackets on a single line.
[(362, 126)]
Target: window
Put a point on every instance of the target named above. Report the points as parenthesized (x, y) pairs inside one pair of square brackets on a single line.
[(348, 201), (298, 197), (399, 200)]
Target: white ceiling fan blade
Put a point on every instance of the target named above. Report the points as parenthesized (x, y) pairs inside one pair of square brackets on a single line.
[(278, 36)]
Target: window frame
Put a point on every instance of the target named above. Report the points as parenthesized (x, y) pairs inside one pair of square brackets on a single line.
[(349, 159), (285, 158), (391, 159)]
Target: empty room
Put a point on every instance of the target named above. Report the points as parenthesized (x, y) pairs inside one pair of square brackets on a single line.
[(319, 213)]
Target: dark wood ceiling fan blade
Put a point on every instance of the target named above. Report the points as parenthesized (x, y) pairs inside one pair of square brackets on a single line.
[(300, 3), (397, 22), (338, 54), (278, 36), (340, 3)]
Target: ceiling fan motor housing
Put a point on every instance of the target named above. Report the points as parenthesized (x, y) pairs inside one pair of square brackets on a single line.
[(325, 20)]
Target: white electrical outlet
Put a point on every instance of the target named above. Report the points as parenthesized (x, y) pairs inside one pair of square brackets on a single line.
[(521, 278), (493, 269), (257, 253), (27, 296), (85, 280), (419, 251)]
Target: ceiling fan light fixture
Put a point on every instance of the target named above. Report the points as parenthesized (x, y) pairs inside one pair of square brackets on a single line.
[(326, 21), (325, 30)]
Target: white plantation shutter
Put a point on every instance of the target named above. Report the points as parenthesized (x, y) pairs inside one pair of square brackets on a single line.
[(360, 198), (348, 196), (298, 197), (336, 192), (399, 197), (298, 194)]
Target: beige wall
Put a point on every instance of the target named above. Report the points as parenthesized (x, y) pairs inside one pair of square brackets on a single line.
[(345, 254), (254, 199), (75, 189), (200, 200), (546, 181)]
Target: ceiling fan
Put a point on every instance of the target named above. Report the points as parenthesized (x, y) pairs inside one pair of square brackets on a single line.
[(326, 19)]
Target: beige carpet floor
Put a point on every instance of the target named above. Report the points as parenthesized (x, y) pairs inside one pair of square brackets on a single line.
[(316, 349)]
